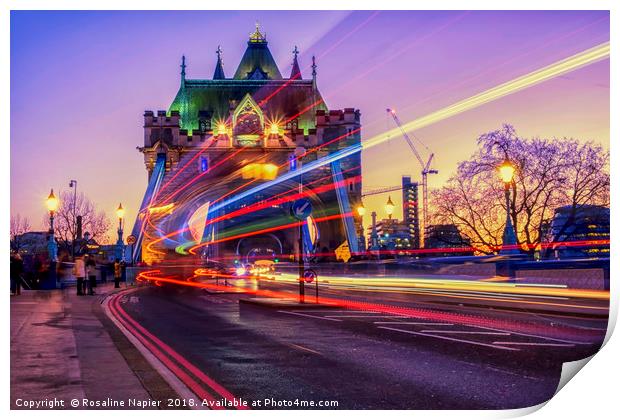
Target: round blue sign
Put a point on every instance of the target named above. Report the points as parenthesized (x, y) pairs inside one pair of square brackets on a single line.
[(310, 276), (301, 209)]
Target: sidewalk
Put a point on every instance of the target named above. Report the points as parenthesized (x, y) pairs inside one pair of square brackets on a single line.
[(63, 346)]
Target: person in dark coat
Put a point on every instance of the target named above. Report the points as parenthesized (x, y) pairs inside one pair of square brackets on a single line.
[(118, 273), (79, 271), (16, 271), (92, 275)]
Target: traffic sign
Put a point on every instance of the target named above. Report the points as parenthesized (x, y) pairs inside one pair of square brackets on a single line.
[(301, 209), (131, 240), (310, 276), (343, 252)]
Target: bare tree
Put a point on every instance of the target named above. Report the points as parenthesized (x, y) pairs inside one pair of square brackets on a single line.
[(549, 173), (19, 226), (93, 221)]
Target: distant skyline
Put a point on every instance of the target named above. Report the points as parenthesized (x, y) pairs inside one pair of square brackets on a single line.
[(81, 81)]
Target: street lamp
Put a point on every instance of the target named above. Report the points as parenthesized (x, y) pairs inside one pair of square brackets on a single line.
[(509, 242), (389, 207), (52, 248), (52, 206), (361, 210), (120, 213), (73, 184)]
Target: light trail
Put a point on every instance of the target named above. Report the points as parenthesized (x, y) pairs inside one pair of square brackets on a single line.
[(511, 325), (450, 87), (176, 363), (456, 285), (559, 68), (574, 62), (275, 200), (266, 230)]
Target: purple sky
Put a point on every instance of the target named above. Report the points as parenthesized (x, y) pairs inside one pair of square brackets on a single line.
[(80, 82)]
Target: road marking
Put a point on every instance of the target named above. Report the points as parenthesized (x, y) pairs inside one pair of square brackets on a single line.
[(412, 323), (514, 373), (297, 346), (450, 339), (516, 343), (175, 383), (465, 332), (310, 316), (162, 351), (531, 335)]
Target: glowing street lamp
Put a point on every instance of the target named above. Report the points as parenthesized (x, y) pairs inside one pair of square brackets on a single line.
[(361, 210), (389, 207), (120, 213), (274, 129), (506, 172), (52, 249), (509, 242), (52, 205)]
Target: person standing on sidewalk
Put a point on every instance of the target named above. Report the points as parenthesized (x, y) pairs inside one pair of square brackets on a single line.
[(92, 275), (79, 271), (16, 270), (118, 273)]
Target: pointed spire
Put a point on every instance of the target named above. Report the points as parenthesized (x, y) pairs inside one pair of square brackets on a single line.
[(313, 73), (219, 67), (295, 71), (183, 71)]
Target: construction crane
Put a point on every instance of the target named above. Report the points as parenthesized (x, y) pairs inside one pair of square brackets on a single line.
[(382, 190), (426, 170)]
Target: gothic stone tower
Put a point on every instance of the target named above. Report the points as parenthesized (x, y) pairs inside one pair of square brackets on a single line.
[(222, 136)]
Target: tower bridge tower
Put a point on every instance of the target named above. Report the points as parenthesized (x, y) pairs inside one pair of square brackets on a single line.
[(222, 136)]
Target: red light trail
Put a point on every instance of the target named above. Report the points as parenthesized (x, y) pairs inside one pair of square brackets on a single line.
[(431, 314)]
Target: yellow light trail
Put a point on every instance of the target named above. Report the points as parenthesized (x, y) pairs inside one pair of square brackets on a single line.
[(574, 62), (455, 285)]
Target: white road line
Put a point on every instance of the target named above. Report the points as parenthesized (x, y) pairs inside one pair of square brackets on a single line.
[(411, 323), (465, 332), (516, 343), (310, 316), (297, 346), (532, 335), (450, 339)]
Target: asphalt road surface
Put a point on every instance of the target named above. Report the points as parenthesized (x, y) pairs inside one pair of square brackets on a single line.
[(370, 359)]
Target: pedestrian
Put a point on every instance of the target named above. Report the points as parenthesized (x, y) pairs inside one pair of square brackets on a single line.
[(92, 275), (117, 273), (16, 270), (79, 271), (124, 272)]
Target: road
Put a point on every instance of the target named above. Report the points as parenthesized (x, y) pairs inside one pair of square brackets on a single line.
[(440, 350)]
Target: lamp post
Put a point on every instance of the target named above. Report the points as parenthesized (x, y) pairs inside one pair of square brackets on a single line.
[(120, 213), (374, 237), (52, 248), (52, 206), (509, 242), (73, 184)]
